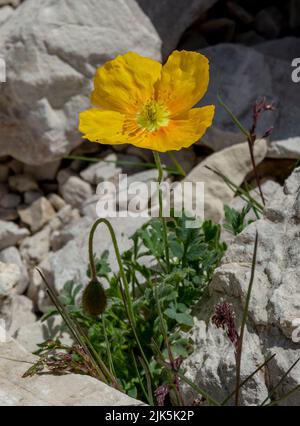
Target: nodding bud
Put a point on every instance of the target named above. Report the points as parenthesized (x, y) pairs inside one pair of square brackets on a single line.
[(94, 298)]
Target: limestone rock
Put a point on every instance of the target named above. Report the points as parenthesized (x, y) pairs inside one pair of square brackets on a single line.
[(74, 389), (101, 171), (16, 311), (274, 311), (30, 334), (52, 49), (35, 248), (11, 234), (5, 13), (12, 255), (233, 162), (9, 278), (73, 189), (38, 214), (56, 201)]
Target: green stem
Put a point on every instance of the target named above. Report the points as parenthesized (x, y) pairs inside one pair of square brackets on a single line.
[(248, 378), (122, 163), (110, 360), (280, 382), (127, 297), (163, 221), (177, 164), (250, 140)]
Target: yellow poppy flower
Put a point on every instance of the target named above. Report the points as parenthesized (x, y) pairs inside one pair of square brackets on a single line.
[(140, 102)]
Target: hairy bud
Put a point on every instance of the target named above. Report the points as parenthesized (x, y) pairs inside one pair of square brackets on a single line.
[(94, 298)]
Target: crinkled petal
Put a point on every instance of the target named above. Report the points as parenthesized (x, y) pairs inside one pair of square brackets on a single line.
[(102, 126), (184, 81), (181, 132), (125, 83)]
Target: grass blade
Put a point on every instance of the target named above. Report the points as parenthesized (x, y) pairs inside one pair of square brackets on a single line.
[(248, 378), (280, 381), (243, 325)]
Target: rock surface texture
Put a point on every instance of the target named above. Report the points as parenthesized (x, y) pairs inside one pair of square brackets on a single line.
[(52, 49), (50, 390), (274, 312), (244, 74), (234, 162)]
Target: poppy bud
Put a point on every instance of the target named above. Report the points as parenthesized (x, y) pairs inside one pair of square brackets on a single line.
[(94, 298)]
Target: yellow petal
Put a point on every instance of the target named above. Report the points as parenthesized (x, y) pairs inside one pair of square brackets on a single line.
[(181, 132), (184, 81), (125, 83), (102, 126)]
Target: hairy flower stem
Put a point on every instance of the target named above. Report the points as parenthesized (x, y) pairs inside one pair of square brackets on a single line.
[(251, 137), (125, 290), (163, 220), (251, 142)]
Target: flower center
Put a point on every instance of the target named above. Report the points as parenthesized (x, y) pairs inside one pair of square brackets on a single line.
[(152, 116)]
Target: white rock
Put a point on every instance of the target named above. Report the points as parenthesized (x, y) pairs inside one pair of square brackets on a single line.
[(50, 68), (102, 171), (68, 215), (42, 390), (233, 162), (269, 187), (16, 311), (73, 189), (11, 234), (9, 277), (22, 183), (38, 214), (274, 306), (56, 201), (285, 148), (35, 248), (36, 289), (5, 13), (29, 335), (12, 255)]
